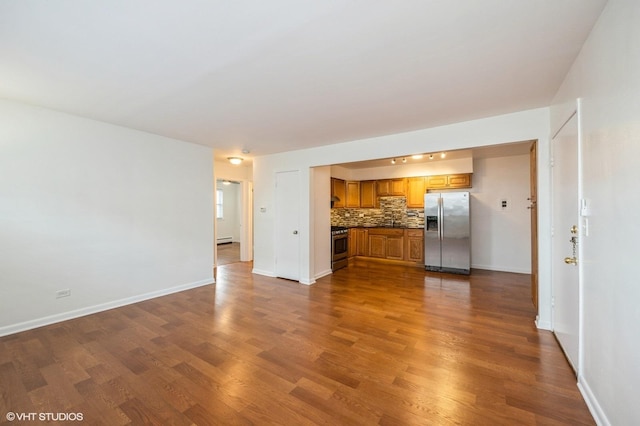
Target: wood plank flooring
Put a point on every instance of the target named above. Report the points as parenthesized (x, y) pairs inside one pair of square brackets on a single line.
[(228, 253), (370, 344)]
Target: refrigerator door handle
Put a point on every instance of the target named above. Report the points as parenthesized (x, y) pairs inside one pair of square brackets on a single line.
[(440, 220)]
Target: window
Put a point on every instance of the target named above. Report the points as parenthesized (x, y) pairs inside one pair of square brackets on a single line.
[(219, 204)]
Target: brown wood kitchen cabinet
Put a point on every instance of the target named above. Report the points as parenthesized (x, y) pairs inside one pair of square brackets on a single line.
[(386, 243), (416, 188), (352, 194), (368, 197), (414, 245), (391, 187), (362, 242), (462, 180), (351, 244), (339, 190)]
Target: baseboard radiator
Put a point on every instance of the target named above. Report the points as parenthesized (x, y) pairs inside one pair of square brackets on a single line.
[(224, 240)]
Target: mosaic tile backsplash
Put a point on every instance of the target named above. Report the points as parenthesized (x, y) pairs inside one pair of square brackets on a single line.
[(393, 211)]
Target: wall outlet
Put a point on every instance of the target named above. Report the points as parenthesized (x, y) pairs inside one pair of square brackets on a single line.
[(63, 293)]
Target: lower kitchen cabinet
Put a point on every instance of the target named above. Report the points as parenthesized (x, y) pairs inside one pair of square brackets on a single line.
[(351, 244), (377, 246), (395, 248), (362, 242), (414, 242), (398, 244), (386, 243)]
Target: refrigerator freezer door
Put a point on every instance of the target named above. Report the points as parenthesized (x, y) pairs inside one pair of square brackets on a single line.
[(455, 232), (432, 254)]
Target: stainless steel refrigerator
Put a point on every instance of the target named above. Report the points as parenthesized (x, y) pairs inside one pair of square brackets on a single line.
[(447, 232)]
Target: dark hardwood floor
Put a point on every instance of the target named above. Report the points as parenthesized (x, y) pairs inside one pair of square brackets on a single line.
[(370, 344)]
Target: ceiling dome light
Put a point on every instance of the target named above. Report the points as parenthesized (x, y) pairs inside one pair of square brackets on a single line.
[(443, 155), (235, 160), (393, 161), (416, 156)]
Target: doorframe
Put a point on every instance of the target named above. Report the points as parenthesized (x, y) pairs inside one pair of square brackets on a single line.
[(568, 111), (246, 220), (534, 228)]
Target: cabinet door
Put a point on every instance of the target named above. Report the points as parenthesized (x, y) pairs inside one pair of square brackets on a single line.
[(362, 242), (353, 194), (383, 187), (459, 181), (377, 245), (368, 194), (398, 187), (462, 180), (395, 248), (415, 192), (415, 249), (352, 242), (338, 189), (436, 182)]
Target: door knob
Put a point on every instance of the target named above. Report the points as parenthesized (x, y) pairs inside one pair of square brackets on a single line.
[(295, 232), (570, 260)]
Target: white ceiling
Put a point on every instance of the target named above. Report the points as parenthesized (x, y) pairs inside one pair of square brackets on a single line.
[(272, 76)]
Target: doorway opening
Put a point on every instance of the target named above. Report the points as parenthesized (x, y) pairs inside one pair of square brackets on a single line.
[(228, 199)]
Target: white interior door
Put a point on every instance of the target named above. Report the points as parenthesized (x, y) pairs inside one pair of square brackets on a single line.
[(565, 274), (287, 220)]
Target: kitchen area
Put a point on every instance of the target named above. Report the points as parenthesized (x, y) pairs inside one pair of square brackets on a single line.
[(384, 220)]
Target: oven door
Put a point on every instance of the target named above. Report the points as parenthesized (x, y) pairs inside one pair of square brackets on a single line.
[(339, 251)]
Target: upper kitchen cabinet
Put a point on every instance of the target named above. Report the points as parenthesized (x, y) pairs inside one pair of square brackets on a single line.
[(338, 192), (368, 196), (416, 188), (353, 194), (393, 187), (448, 181)]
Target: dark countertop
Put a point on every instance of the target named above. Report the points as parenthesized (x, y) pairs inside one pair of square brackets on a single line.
[(387, 227)]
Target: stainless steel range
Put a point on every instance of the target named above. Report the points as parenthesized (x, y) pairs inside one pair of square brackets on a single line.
[(339, 247)]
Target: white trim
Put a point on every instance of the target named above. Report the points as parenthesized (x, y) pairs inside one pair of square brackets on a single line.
[(263, 273), (543, 325), (501, 269), (323, 274), (52, 319), (592, 403), (307, 282)]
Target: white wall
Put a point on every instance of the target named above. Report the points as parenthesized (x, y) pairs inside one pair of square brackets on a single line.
[(114, 215), (501, 238), (606, 75), (527, 125), (321, 180)]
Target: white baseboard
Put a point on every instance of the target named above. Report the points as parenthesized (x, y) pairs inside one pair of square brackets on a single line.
[(64, 316), (502, 269), (592, 403), (323, 273), (263, 272), (543, 325)]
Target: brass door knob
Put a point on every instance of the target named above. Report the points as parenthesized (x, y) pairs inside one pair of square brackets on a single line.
[(570, 260)]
